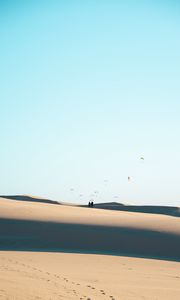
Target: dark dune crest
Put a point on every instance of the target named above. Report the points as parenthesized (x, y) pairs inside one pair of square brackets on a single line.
[(29, 198), (150, 209)]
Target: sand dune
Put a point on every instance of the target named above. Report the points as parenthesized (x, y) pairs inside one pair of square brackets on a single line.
[(28, 198), (45, 263), (27, 225), (150, 209)]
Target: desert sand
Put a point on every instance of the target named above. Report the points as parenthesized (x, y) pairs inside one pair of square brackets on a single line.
[(64, 252)]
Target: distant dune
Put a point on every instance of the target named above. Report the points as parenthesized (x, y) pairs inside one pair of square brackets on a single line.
[(26, 225), (151, 209), (28, 198)]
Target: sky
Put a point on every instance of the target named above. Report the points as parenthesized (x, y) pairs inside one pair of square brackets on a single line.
[(87, 88)]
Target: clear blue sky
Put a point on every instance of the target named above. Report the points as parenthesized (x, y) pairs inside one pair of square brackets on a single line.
[(86, 89)]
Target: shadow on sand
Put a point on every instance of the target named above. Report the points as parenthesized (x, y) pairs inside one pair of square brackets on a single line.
[(61, 237)]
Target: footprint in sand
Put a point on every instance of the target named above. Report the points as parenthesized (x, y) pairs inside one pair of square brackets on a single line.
[(66, 279), (75, 293)]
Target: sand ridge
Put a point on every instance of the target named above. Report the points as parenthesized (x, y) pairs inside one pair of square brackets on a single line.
[(80, 215)]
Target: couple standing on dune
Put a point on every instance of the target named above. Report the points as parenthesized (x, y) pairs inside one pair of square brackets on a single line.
[(91, 204)]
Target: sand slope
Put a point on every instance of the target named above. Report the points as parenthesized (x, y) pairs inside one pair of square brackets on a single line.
[(45, 276), (152, 209), (27, 225)]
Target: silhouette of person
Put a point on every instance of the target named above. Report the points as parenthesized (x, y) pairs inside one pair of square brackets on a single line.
[(89, 204), (92, 204)]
